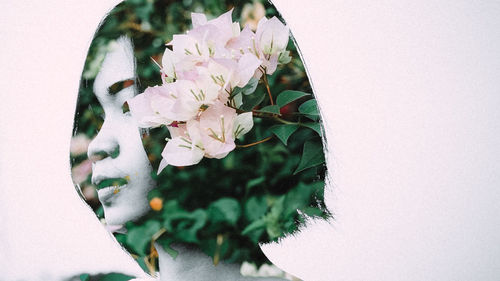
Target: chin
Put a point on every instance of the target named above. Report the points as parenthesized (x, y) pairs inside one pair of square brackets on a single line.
[(118, 214)]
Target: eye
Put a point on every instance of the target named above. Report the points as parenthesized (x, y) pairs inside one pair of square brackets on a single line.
[(120, 85)]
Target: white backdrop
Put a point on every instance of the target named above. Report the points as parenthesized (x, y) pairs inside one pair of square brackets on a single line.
[(411, 98)]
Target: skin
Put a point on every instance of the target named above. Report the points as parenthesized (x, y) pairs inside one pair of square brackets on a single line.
[(117, 151)]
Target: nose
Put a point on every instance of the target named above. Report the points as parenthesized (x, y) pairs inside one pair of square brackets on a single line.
[(103, 145)]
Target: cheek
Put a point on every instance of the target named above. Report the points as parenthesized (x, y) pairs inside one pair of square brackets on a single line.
[(154, 141), (132, 154)]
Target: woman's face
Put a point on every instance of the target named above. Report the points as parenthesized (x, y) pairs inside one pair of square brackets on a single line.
[(120, 167)]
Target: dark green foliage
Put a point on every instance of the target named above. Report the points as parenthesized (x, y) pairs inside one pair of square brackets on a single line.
[(273, 109), (283, 132), (310, 109), (288, 96), (312, 155)]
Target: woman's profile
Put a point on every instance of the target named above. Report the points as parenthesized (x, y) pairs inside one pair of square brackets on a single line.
[(202, 215)]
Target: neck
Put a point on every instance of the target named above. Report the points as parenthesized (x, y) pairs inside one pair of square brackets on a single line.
[(192, 264)]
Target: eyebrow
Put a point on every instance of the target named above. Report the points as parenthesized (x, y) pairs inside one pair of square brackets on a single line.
[(120, 85)]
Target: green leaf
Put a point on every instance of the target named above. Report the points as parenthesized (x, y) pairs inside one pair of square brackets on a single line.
[(312, 155), (283, 132), (225, 210), (315, 126), (255, 208), (238, 100), (301, 196), (251, 101), (255, 182), (142, 263), (139, 237), (288, 96), (166, 244), (255, 225), (185, 225), (310, 109), (249, 88), (273, 226), (274, 109)]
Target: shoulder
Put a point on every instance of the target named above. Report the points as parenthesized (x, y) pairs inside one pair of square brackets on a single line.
[(194, 265)]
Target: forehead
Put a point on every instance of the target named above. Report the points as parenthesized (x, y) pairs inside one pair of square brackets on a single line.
[(118, 65)]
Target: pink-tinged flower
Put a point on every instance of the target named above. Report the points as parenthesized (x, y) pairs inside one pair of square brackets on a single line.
[(272, 36), (206, 39), (252, 13), (81, 171), (229, 73), (153, 108), (216, 128), (168, 62), (178, 66), (184, 148), (247, 66), (193, 97), (244, 43), (189, 50), (224, 25), (270, 64), (89, 192), (248, 43), (198, 19), (79, 144)]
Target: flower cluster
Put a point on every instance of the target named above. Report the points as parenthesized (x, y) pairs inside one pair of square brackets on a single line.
[(201, 75)]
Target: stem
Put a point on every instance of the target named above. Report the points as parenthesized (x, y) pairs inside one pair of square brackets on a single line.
[(220, 239), (267, 87), (157, 64), (254, 143), (285, 121), (237, 109), (151, 262), (264, 115)]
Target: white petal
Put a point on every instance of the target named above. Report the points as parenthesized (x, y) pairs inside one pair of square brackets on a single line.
[(247, 65), (168, 61), (142, 112), (272, 36), (198, 19), (236, 29), (163, 164), (243, 123), (281, 34), (179, 152), (260, 25)]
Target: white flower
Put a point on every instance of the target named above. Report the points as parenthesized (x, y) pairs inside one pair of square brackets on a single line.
[(272, 36), (153, 107), (229, 73), (216, 128), (184, 148), (193, 97)]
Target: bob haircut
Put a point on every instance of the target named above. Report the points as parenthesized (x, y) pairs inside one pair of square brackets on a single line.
[(225, 207)]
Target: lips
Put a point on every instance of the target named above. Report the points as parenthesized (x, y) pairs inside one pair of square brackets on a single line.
[(109, 182), (107, 194), (107, 188)]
